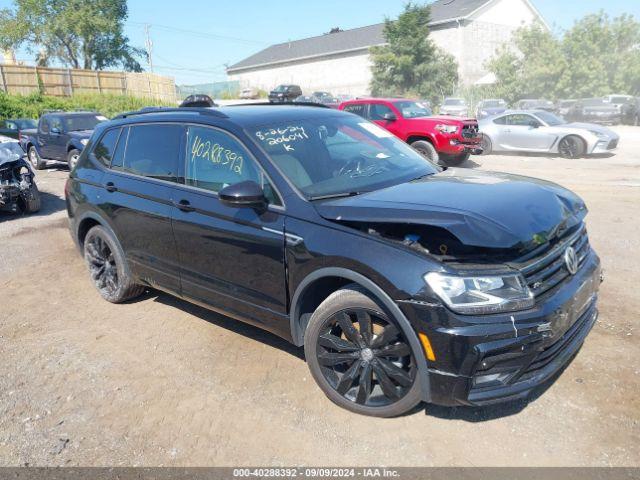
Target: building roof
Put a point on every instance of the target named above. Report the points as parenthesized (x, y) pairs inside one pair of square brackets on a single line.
[(442, 11)]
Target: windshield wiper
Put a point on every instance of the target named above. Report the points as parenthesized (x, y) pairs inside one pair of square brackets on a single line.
[(335, 195)]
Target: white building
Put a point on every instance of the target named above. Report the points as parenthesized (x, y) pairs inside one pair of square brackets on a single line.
[(470, 30)]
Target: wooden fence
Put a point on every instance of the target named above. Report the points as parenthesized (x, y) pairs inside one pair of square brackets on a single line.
[(64, 82)]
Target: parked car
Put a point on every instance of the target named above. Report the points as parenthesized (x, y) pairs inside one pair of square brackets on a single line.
[(441, 139), (404, 282), (594, 110), (305, 99), (535, 104), (60, 136), (18, 189), (249, 94), (631, 112), (197, 101), (490, 107), (541, 131), (454, 106), (618, 101), (12, 127), (563, 107), (284, 94)]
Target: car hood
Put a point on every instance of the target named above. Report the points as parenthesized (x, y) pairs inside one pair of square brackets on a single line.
[(482, 209), (454, 108), (601, 108), (81, 134), (444, 119), (594, 127)]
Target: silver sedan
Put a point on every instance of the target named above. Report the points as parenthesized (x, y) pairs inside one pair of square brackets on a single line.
[(544, 132)]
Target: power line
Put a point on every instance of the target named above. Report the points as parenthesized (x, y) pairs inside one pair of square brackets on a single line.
[(201, 34)]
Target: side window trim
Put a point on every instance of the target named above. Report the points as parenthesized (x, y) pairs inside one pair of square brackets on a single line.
[(263, 174)]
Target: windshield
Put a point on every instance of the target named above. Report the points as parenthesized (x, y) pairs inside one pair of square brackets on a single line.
[(340, 154), (280, 88), (453, 102), (413, 109), (550, 119), (10, 151), (82, 122), (619, 100), (594, 102), (26, 123), (493, 103)]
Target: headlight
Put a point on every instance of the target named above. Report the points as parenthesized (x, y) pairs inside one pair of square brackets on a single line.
[(601, 135), (447, 128), (84, 141), (481, 295)]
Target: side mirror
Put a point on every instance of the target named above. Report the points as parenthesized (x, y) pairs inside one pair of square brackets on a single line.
[(55, 130), (246, 194), (534, 124), (390, 117)]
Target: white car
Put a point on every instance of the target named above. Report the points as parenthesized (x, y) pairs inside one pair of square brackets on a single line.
[(454, 106), (543, 132)]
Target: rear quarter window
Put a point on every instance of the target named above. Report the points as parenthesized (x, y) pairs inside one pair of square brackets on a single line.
[(104, 150), (359, 109)]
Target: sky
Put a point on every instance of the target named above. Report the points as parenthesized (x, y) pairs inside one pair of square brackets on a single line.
[(193, 40)]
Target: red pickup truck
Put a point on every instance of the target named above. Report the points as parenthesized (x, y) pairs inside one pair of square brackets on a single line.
[(448, 140)]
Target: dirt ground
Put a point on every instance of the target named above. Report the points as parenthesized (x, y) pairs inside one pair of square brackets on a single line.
[(161, 382)]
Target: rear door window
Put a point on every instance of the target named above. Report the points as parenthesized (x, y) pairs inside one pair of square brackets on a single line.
[(359, 109), (153, 151)]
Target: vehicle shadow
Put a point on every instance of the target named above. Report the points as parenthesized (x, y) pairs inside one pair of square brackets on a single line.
[(228, 323)]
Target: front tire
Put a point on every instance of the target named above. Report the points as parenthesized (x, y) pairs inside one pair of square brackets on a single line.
[(30, 201), (427, 150), (359, 357), (108, 267), (72, 158), (572, 147), (34, 158)]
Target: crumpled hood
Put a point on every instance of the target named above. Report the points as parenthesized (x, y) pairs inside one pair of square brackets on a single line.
[(81, 134), (482, 209)]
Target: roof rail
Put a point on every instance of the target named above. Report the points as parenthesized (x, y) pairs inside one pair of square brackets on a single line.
[(148, 110), (290, 104)]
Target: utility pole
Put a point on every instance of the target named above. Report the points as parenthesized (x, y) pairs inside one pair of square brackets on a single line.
[(149, 46)]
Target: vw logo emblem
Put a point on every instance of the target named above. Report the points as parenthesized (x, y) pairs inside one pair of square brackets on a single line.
[(571, 260)]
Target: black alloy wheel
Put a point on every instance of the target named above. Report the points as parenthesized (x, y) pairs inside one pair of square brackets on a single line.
[(102, 265), (365, 358), (571, 147)]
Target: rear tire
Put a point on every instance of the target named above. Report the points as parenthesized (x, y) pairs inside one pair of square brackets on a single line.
[(72, 158), (108, 267), (487, 146), (572, 147), (34, 157), (359, 357), (427, 150)]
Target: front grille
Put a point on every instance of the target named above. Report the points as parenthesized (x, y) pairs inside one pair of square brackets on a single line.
[(549, 269), (546, 356), (470, 130), (613, 144)]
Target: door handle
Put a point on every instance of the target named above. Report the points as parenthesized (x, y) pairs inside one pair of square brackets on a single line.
[(110, 187), (184, 205)]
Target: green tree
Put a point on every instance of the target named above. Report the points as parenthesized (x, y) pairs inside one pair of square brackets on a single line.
[(410, 63), (597, 56), (77, 33), (531, 66)]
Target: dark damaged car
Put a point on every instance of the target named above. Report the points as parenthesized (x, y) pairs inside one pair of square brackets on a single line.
[(18, 190), (404, 282)]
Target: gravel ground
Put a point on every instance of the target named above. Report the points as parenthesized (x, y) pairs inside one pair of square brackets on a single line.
[(162, 382)]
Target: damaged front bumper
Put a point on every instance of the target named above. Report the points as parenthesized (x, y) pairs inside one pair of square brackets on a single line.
[(9, 196), (489, 359)]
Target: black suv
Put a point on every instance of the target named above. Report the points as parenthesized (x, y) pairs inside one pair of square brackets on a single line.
[(284, 94), (403, 281)]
